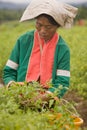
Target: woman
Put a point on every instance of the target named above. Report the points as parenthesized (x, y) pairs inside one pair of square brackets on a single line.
[(42, 55)]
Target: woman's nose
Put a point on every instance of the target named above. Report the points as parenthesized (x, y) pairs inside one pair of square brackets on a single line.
[(43, 30)]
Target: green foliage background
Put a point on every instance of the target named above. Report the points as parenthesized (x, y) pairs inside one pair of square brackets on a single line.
[(7, 14)]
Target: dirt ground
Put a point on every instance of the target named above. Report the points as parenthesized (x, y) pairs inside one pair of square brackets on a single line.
[(81, 106)]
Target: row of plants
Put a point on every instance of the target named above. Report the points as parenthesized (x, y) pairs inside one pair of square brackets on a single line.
[(18, 110)]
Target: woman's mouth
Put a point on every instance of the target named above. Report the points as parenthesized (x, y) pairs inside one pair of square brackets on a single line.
[(43, 36)]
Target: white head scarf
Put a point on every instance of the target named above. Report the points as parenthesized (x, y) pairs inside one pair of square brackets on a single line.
[(62, 13)]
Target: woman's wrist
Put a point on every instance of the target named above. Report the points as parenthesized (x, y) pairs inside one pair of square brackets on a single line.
[(52, 95), (11, 83)]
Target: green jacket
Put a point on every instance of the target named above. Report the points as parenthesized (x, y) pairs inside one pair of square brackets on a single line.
[(16, 67)]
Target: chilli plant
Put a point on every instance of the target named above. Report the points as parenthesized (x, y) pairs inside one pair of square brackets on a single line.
[(19, 111)]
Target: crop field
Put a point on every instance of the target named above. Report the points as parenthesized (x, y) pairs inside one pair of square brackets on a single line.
[(76, 38)]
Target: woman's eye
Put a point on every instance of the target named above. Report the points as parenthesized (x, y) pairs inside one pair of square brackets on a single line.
[(38, 25), (48, 27)]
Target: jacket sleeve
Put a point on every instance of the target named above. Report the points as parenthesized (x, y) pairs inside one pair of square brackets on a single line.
[(10, 69), (61, 71)]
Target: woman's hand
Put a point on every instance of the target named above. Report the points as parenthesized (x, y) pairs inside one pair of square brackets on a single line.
[(44, 96), (12, 83), (20, 83)]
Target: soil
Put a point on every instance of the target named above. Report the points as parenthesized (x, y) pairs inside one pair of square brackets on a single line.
[(81, 106)]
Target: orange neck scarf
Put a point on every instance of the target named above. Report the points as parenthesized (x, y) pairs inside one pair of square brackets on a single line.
[(41, 60)]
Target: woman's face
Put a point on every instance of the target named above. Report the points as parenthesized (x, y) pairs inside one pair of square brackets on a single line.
[(45, 28)]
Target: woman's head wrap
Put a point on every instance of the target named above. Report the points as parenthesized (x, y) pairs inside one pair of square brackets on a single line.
[(62, 13)]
